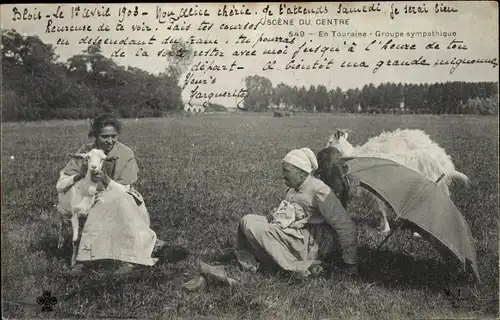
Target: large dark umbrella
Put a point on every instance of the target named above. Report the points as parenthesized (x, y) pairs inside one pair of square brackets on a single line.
[(419, 203)]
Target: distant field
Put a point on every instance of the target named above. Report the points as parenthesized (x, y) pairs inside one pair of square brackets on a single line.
[(199, 176)]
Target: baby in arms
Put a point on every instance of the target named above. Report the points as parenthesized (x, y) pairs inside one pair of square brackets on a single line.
[(289, 216)]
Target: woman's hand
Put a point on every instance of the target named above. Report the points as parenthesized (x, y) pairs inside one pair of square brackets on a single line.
[(270, 215), (269, 218)]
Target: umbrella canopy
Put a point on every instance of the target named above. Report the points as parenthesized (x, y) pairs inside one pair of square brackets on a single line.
[(418, 201)]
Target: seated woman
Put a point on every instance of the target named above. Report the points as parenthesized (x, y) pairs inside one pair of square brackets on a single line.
[(328, 228), (117, 226)]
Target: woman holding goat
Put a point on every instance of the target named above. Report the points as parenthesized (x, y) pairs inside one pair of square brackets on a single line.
[(328, 226), (117, 225)]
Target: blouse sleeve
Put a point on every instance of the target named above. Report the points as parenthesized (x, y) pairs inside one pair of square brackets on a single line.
[(334, 213), (128, 175)]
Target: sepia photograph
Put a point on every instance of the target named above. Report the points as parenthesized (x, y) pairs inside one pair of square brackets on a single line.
[(307, 160)]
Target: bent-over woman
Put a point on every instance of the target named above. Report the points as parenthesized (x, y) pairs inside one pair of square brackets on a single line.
[(117, 226), (328, 227)]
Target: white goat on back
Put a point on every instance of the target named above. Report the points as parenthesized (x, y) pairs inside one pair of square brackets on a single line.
[(411, 148), (76, 201)]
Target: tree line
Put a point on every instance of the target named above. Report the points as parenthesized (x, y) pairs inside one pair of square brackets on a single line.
[(35, 85), (436, 98)]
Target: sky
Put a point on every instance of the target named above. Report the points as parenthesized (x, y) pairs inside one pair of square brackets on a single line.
[(475, 23)]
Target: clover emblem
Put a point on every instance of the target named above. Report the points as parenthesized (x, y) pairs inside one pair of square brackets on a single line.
[(47, 301)]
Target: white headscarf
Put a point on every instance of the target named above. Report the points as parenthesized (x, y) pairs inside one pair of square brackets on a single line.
[(304, 159)]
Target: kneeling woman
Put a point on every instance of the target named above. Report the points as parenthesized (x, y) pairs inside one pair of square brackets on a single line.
[(117, 226), (328, 228)]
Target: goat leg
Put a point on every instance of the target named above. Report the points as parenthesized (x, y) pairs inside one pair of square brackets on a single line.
[(73, 256), (60, 241), (382, 209), (75, 227), (384, 226)]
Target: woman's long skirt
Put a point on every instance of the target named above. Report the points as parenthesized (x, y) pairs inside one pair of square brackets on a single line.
[(270, 245), (117, 228)]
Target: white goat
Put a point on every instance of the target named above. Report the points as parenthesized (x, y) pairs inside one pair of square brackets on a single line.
[(411, 148), (76, 201)]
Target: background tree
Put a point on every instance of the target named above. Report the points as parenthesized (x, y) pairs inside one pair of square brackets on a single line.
[(337, 98), (179, 59), (38, 86), (30, 78), (278, 95), (302, 100), (322, 99), (310, 99), (260, 93), (284, 96)]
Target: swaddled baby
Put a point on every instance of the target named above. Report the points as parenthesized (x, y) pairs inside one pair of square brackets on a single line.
[(289, 217)]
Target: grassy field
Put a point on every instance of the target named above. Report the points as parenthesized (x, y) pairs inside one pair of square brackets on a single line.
[(199, 176)]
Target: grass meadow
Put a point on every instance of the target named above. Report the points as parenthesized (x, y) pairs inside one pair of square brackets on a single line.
[(201, 174)]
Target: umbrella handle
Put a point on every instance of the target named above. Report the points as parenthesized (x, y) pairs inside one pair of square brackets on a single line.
[(386, 238), (381, 243)]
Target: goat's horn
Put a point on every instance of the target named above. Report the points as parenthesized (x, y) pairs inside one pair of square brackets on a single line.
[(77, 155)]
